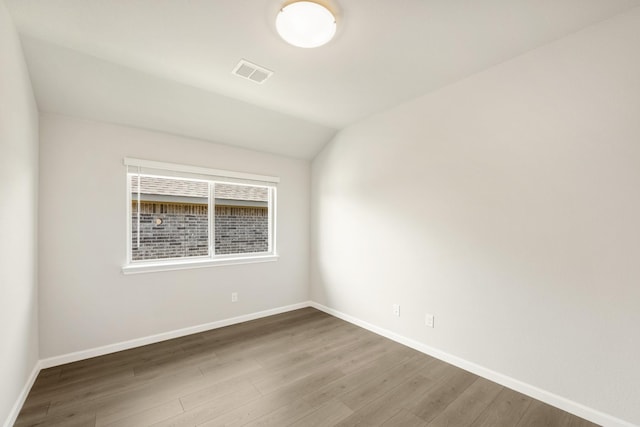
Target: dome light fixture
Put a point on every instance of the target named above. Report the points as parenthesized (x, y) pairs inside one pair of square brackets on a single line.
[(306, 24)]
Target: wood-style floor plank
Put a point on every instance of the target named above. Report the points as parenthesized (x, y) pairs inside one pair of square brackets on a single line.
[(464, 410), (381, 384), (328, 414), (404, 418), (285, 415), (385, 407), (300, 368), (145, 417), (354, 379), (506, 409), (448, 389)]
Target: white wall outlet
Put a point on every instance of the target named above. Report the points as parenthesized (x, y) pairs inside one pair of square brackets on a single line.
[(429, 320), (396, 310), (234, 297)]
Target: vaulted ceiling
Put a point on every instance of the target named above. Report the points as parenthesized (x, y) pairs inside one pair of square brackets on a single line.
[(166, 64)]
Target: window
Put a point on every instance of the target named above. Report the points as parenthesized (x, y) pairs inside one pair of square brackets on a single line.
[(185, 217)]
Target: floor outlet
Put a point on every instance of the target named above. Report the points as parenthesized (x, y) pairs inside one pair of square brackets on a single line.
[(396, 310), (234, 297), (429, 320)]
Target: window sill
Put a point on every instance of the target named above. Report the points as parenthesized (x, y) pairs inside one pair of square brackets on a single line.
[(152, 267)]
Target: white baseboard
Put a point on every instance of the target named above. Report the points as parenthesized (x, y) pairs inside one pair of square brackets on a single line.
[(15, 411), (125, 345), (512, 383)]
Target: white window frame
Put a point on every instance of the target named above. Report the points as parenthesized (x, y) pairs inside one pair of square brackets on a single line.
[(212, 176)]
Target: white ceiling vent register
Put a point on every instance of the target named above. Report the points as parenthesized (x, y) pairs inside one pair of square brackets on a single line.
[(250, 71)]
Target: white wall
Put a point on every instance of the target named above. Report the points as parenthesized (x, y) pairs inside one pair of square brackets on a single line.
[(86, 301), (18, 219), (508, 205)]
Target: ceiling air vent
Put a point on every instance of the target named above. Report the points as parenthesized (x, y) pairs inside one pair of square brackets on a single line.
[(250, 71)]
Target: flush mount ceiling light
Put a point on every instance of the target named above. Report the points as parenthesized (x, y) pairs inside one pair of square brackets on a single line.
[(306, 24)]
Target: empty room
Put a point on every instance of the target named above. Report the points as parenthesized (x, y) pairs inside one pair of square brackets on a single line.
[(320, 213)]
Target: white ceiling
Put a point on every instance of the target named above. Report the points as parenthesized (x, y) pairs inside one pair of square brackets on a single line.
[(166, 64)]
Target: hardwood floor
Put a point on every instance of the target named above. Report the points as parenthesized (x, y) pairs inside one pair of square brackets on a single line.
[(301, 368)]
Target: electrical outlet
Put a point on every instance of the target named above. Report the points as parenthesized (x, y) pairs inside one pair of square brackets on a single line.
[(396, 310), (429, 320), (234, 297)]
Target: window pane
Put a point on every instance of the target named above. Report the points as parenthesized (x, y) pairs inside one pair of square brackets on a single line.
[(241, 218), (173, 220)]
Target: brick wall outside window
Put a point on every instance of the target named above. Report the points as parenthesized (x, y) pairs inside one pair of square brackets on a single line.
[(176, 230)]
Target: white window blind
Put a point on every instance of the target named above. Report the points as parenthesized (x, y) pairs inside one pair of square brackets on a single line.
[(150, 167)]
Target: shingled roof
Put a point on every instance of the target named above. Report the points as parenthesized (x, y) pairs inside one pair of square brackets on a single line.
[(186, 188)]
